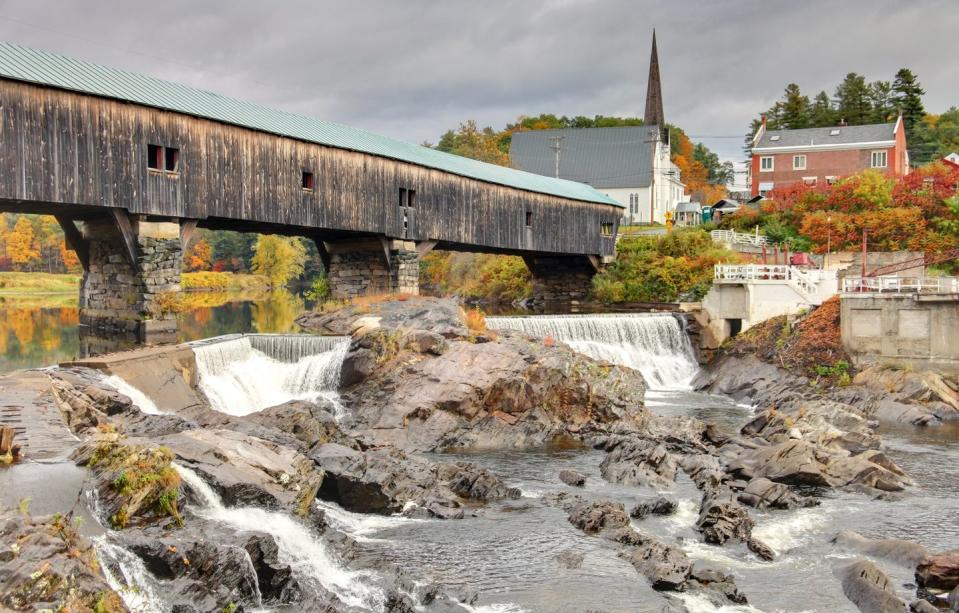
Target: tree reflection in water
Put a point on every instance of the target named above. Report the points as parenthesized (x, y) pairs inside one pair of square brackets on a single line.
[(42, 330)]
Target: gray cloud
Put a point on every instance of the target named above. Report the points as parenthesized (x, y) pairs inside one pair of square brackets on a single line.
[(413, 68)]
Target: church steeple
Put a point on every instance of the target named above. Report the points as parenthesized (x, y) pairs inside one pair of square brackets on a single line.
[(654, 93)]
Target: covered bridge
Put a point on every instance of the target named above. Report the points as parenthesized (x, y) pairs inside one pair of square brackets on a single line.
[(130, 165)]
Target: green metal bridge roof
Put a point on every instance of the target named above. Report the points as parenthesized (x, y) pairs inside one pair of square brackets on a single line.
[(34, 66)]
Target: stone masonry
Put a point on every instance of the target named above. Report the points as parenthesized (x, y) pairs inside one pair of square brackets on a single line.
[(560, 280), (119, 297), (359, 268)]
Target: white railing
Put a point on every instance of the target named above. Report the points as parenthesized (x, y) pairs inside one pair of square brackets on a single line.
[(901, 285), (730, 237), (812, 284)]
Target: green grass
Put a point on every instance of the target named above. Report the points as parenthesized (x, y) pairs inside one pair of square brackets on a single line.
[(26, 283)]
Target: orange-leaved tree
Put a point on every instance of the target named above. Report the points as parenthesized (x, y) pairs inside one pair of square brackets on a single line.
[(20, 245)]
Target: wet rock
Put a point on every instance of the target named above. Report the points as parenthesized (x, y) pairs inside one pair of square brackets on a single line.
[(922, 606), (443, 317), (762, 493), (275, 579), (869, 588), (666, 568), (85, 405), (572, 477), (900, 551), (247, 470), (46, 565), (939, 571), (570, 559), (639, 462), (792, 462), (386, 480), (425, 341), (594, 517), (953, 600), (722, 518), (717, 581), (310, 423), (661, 505)]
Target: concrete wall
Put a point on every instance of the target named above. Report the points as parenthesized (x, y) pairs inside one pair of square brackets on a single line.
[(849, 263), (750, 303), (919, 330)]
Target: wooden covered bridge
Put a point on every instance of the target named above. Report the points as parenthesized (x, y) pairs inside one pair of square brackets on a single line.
[(131, 165)]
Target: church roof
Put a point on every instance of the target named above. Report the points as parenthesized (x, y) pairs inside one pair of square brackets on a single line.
[(601, 157)]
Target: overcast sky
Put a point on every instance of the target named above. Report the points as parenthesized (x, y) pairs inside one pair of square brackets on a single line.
[(413, 68)]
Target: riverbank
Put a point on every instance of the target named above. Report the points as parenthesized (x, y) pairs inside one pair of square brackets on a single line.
[(515, 464), (31, 283)]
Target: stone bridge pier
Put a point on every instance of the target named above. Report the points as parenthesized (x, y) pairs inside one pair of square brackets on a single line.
[(131, 274), (367, 266), (561, 279)]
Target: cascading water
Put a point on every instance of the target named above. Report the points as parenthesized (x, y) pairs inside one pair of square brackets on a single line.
[(250, 373), (297, 545), (655, 345), (128, 576), (140, 400)]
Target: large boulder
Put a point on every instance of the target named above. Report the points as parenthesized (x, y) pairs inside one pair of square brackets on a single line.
[(939, 571), (387, 480), (900, 551), (248, 471), (869, 588), (762, 493), (594, 517), (667, 568), (638, 461)]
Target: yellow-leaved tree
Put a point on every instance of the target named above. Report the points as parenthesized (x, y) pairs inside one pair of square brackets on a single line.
[(280, 258), (20, 245)]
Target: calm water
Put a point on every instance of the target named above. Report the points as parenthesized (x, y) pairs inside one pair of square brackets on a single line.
[(42, 330)]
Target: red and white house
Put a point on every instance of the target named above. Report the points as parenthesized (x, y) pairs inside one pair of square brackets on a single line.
[(822, 155)]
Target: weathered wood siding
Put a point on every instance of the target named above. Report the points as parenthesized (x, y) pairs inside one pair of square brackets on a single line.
[(66, 148)]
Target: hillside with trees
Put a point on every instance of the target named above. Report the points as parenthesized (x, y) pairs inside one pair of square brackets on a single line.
[(858, 102)]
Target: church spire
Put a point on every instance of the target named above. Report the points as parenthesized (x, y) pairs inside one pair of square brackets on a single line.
[(654, 93)]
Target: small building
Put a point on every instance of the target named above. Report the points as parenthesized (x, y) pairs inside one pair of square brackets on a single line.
[(724, 207), (688, 214), (817, 156), (951, 160)]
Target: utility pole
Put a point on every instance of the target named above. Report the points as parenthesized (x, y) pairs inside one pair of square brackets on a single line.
[(556, 148)]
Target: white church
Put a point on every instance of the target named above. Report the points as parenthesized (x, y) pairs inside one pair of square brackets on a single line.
[(631, 164)]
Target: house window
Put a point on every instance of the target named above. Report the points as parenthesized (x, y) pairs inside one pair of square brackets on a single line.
[(606, 228), (154, 157), (307, 182), (171, 159), (799, 162), (529, 219), (766, 163), (811, 181), (879, 159)]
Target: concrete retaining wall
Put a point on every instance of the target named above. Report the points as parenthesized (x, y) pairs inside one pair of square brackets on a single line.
[(921, 330)]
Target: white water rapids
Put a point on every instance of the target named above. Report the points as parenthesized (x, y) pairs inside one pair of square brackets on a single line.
[(656, 345), (243, 375)]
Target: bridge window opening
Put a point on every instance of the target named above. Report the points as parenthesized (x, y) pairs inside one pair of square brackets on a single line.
[(410, 197), (154, 155), (606, 228), (403, 200), (171, 159), (307, 181), (529, 219)]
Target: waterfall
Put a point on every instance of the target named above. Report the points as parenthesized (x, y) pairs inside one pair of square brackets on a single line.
[(129, 577), (655, 345), (139, 399), (245, 374), (297, 545)]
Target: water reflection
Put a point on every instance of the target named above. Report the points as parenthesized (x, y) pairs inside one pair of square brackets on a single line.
[(42, 330)]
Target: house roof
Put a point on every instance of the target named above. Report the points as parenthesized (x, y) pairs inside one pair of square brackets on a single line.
[(688, 207), (601, 157), (833, 136), (726, 203), (49, 69)]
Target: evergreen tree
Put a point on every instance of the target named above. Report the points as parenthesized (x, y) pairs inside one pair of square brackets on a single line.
[(794, 109), (853, 101), (908, 94), (822, 114), (882, 102)]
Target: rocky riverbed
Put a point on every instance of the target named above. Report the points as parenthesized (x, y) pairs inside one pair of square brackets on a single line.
[(460, 468)]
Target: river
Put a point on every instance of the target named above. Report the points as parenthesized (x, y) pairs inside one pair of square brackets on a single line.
[(522, 555), (41, 330)]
